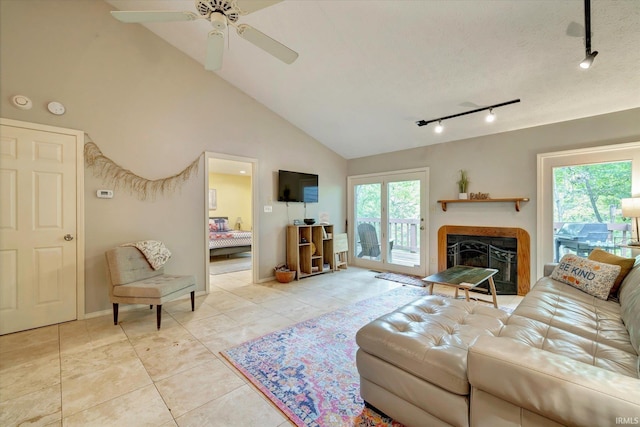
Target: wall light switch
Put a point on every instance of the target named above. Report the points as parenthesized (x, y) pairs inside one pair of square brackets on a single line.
[(268, 208)]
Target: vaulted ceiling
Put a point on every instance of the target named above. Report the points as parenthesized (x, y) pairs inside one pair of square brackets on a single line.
[(368, 70)]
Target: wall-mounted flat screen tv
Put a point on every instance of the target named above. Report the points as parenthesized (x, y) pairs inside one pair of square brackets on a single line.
[(297, 187)]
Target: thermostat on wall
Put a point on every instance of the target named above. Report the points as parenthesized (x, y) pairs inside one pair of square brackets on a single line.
[(105, 194)]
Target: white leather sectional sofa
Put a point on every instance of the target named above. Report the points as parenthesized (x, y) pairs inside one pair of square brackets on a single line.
[(563, 357)]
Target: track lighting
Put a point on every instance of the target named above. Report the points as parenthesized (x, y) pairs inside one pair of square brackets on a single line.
[(588, 59), (490, 117)]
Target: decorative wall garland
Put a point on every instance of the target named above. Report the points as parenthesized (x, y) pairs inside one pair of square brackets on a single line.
[(144, 188)]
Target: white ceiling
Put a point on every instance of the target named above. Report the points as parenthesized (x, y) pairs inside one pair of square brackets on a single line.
[(229, 167), (368, 70)]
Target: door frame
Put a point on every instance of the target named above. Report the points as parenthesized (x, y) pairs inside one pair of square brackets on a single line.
[(80, 224), (255, 212), (424, 238), (545, 164)]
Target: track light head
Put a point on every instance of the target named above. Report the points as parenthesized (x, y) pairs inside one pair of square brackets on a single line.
[(439, 128), (491, 117), (588, 60)]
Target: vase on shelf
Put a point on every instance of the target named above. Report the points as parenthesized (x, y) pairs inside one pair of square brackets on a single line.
[(463, 183)]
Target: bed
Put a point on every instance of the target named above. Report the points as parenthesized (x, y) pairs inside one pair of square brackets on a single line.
[(225, 241)]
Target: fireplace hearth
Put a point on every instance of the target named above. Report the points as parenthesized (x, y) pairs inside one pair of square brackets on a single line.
[(503, 248)]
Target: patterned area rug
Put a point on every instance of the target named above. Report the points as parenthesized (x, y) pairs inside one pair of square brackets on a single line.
[(401, 278), (308, 370)]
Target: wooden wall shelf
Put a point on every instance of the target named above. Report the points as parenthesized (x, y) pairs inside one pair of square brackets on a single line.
[(515, 200)]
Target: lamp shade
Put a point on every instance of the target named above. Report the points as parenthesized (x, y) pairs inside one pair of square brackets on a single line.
[(631, 207)]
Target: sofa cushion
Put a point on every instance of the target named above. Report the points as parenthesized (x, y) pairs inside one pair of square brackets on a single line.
[(597, 352), (567, 308), (594, 278), (429, 338), (154, 287), (630, 305), (626, 264)]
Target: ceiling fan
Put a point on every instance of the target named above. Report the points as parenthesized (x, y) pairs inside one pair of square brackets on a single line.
[(220, 13)]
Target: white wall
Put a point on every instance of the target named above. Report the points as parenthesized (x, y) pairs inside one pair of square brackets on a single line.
[(152, 110), (503, 165)]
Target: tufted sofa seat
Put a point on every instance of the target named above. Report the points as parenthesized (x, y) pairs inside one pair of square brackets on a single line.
[(421, 350), (563, 357)]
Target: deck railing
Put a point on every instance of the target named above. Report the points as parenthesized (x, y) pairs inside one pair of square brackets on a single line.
[(403, 232)]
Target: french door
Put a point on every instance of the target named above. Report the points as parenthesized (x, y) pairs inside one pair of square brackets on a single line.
[(388, 221)]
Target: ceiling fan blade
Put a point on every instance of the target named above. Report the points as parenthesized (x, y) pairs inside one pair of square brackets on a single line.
[(267, 44), (249, 6), (215, 47), (142, 16)]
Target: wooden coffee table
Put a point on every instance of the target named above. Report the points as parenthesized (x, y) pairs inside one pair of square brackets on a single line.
[(465, 278)]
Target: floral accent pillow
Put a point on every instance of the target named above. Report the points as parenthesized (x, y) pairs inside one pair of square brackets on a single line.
[(154, 251), (592, 277)]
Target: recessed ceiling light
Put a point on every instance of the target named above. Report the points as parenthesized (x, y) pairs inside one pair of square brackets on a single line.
[(243, 171)]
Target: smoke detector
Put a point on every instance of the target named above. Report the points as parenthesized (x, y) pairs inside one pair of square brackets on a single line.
[(22, 102)]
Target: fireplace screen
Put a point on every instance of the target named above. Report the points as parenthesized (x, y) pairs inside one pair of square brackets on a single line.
[(490, 252)]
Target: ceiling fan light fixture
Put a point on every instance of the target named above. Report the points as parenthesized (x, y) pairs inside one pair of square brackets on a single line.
[(491, 117), (587, 62), (439, 128), (220, 14), (218, 20)]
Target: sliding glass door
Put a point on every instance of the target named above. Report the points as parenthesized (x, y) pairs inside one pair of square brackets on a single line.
[(388, 221)]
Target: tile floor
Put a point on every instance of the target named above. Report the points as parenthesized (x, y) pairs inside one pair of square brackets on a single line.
[(91, 372)]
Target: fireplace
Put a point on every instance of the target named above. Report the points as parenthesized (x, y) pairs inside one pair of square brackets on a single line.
[(503, 248)]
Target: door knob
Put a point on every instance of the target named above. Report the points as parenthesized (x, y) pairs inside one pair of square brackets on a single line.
[(68, 237)]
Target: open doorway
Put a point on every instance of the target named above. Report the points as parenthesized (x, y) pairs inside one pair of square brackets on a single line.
[(230, 214)]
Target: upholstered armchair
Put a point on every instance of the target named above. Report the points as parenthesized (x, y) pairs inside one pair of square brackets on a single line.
[(134, 281)]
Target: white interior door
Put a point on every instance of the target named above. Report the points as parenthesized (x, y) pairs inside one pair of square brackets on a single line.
[(388, 221), (38, 226)]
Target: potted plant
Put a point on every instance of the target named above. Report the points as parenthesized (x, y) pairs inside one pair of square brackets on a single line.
[(283, 274), (463, 184)]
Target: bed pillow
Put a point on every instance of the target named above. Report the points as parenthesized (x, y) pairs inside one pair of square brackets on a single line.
[(592, 277), (626, 264), (223, 224), (218, 224)]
